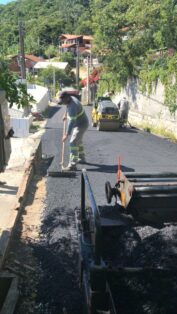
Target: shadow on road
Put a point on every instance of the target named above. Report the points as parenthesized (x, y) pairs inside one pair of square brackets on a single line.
[(120, 130), (128, 130), (106, 168), (52, 111)]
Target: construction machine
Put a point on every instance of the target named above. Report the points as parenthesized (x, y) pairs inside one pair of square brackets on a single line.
[(114, 275), (105, 115)]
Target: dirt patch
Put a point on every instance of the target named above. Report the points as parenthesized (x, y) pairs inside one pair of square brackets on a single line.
[(21, 260)]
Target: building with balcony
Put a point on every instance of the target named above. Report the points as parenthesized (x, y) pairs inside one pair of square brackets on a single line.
[(70, 43)]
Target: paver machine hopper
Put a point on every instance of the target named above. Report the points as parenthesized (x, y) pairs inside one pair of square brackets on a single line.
[(111, 284)]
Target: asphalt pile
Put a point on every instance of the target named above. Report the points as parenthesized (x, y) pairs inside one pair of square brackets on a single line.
[(147, 291), (57, 253)]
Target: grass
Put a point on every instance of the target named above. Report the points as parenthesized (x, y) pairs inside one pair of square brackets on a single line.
[(161, 131), (34, 127)]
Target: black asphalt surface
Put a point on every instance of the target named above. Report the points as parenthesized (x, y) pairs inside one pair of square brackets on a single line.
[(139, 151)]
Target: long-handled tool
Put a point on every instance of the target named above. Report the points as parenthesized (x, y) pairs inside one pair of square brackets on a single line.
[(63, 146), (62, 172)]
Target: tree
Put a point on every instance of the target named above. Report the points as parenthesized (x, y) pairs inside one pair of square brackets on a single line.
[(51, 51), (46, 76), (14, 93), (68, 57)]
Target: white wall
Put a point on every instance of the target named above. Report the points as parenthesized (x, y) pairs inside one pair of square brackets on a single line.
[(41, 96), (21, 126)]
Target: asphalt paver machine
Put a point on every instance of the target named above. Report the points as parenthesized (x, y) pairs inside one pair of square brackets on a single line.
[(113, 282), (149, 198)]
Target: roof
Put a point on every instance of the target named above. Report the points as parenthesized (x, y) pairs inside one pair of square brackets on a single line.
[(70, 36), (33, 58), (87, 37), (107, 103), (46, 64), (125, 29), (68, 45), (84, 50), (103, 98), (30, 57)]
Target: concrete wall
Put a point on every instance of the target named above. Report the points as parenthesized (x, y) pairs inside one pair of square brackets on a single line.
[(5, 142), (41, 96), (21, 126), (148, 109)]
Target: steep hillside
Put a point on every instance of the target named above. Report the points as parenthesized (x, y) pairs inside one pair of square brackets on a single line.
[(44, 21)]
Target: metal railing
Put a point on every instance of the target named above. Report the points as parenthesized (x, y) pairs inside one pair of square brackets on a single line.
[(85, 183)]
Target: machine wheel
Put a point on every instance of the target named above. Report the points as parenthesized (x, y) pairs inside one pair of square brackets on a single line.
[(93, 124), (108, 191), (99, 126)]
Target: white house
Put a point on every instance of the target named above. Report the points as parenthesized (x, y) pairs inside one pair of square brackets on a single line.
[(44, 65)]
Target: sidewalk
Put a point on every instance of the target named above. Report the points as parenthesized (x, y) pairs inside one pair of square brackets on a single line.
[(17, 177)]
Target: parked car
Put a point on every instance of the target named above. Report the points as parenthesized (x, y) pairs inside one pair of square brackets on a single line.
[(105, 116)]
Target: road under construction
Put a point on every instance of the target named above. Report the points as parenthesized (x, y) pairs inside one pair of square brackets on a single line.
[(45, 252)]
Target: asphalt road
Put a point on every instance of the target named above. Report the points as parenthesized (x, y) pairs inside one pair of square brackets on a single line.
[(139, 151)]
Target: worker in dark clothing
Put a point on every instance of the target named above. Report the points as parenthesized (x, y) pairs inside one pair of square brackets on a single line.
[(123, 106), (77, 125)]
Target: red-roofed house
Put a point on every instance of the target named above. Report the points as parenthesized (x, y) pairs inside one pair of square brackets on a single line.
[(69, 42), (30, 61)]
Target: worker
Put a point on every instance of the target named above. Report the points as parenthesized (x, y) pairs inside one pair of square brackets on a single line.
[(77, 126), (109, 94), (123, 106)]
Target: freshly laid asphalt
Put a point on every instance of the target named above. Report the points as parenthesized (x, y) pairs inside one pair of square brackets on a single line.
[(139, 151)]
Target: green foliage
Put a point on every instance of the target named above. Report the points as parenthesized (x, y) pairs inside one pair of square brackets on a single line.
[(46, 77), (45, 21), (158, 130), (15, 94), (51, 51), (84, 25), (126, 33), (165, 70), (68, 57), (108, 82)]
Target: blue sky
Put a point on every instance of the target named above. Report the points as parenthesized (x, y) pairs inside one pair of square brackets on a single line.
[(5, 1)]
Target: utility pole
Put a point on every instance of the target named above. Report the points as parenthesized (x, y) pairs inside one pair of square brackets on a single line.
[(77, 66), (88, 83), (54, 83), (22, 61), (22, 51)]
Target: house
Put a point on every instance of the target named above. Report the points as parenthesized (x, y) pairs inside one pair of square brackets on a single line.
[(30, 61), (70, 42), (45, 64)]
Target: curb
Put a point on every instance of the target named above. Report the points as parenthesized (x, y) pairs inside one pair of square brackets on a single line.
[(29, 171)]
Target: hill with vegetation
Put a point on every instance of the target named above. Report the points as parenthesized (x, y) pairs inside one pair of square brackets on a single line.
[(45, 21), (132, 37)]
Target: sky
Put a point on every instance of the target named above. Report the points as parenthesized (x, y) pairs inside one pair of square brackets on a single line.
[(5, 1)]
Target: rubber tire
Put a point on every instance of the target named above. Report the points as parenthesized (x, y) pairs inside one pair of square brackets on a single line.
[(98, 126), (93, 124), (108, 192)]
